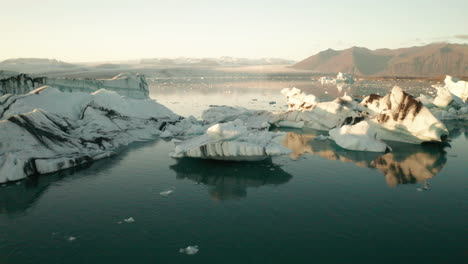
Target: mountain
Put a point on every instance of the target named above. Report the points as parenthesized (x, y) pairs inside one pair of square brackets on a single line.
[(422, 61), (35, 65), (221, 61)]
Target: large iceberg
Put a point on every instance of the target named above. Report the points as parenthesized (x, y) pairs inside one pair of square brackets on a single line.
[(398, 116), (231, 141), (47, 130)]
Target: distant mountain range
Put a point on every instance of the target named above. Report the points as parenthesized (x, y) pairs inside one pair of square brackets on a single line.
[(221, 61), (423, 61)]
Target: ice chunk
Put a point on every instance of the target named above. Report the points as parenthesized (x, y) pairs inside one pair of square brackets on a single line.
[(230, 130), (327, 80), (345, 78), (398, 116), (298, 100), (318, 115), (71, 238), (357, 137), (166, 193), (231, 141), (190, 250), (458, 89), (129, 220)]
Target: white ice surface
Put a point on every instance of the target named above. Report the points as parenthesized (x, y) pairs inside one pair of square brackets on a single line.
[(359, 137), (47, 130)]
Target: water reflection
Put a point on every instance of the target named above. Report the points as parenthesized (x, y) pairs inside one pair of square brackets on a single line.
[(18, 197), (406, 164), (230, 180)]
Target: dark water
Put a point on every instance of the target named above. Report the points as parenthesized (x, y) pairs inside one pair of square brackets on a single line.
[(321, 204)]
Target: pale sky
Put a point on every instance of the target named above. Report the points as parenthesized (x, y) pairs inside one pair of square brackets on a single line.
[(100, 30)]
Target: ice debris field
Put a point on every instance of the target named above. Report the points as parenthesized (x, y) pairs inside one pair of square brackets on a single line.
[(43, 128)]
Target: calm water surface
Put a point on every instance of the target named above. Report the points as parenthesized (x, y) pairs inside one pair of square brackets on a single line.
[(321, 204)]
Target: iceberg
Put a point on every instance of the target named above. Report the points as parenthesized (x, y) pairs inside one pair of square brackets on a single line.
[(47, 130), (344, 78), (357, 137), (327, 80), (398, 116), (340, 78), (450, 102), (231, 141), (458, 89), (308, 110)]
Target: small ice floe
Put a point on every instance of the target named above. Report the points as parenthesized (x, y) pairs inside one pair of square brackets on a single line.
[(190, 250), (4, 185), (71, 238), (166, 193), (18, 183), (321, 137), (128, 221), (425, 187)]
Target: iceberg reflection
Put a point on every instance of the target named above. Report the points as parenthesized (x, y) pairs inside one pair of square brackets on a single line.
[(230, 180), (408, 164)]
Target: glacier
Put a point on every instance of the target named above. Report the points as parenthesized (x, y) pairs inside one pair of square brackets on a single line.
[(47, 130), (126, 84)]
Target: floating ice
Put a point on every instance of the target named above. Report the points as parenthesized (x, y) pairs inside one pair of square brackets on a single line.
[(450, 102), (166, 193), (62, 131), (129, 220), (318, 115), (344, 78), (398, 116), (231, 141), (357, 137), (72, 238), (190, 250)]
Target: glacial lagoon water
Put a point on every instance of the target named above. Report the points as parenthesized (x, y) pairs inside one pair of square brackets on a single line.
[(321, 204)]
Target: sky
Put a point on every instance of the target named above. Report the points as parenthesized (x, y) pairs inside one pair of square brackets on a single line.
[(109, 30)]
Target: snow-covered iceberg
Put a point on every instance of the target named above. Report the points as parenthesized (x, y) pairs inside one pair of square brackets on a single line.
[(231, 141), (398, 116), (308, 110), (47, 130)]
